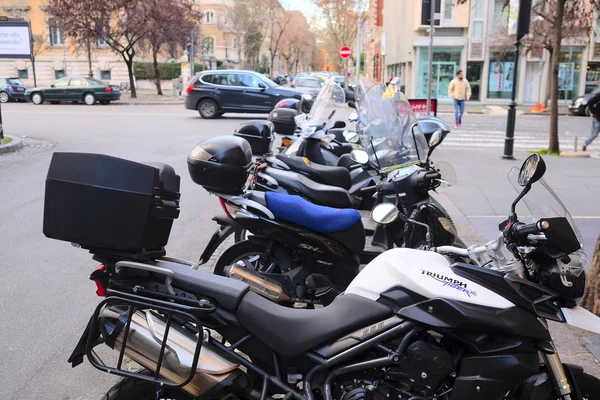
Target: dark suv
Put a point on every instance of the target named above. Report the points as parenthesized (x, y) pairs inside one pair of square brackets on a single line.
[(214, 93), (11, 89)]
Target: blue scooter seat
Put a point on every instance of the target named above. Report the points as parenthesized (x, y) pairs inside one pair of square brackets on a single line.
[(317, 218)]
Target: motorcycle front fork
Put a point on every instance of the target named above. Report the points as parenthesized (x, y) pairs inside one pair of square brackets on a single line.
[(557, 371)]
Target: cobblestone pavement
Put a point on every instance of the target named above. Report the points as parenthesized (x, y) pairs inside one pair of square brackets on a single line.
[(30, 147)]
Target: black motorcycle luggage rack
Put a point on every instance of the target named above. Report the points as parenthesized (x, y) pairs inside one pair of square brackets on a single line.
[(171, 310)]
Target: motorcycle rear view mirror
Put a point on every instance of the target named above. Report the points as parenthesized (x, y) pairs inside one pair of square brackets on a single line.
[(352, 104), (339, 125), (359, 156), (533, 170), (436, 139), (351, 136), (353, 117), (385, 213)]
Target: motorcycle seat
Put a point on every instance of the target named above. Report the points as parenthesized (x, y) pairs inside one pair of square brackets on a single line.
[(326, 195), (334, 176), (291, 332), (317, 218)]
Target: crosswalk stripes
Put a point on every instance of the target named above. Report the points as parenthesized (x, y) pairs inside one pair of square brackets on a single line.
[(495, 139)]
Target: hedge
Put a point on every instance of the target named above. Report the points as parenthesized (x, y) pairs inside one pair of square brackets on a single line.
[(143, 70)]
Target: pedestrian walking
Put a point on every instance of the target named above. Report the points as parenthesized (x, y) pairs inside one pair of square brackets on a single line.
[(459, 91), (594, 107)]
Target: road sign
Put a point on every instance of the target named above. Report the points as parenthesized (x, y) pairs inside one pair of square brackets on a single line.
[(345, 52)]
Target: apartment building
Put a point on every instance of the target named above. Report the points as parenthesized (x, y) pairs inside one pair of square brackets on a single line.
[(56, 55), (469, 37)]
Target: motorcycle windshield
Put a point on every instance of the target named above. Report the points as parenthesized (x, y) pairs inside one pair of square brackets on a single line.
[(325, 109), (543, 202), (392, 135)]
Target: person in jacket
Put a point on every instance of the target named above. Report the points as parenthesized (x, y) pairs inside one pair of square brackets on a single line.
[(594, 107), (459, 91)]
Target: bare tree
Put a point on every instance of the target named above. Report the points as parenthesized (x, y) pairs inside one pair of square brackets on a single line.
[(120, 23), (169, 23), (296, 41), (277, 20), (341, 20)]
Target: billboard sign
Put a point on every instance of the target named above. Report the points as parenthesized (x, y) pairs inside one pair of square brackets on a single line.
[(15, 40)]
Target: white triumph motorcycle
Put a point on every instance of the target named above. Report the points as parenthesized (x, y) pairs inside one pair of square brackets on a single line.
[(414, 324)]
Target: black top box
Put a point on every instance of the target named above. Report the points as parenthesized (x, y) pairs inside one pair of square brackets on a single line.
[(109, 205)]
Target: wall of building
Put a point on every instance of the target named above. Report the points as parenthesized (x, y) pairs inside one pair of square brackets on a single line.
[(467, 38)]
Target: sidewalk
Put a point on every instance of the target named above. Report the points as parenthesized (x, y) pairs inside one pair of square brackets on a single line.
[(149, 97), (482, 197), (495, 109)]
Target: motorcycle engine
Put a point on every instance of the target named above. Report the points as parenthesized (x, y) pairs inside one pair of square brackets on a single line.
[(420, 373)]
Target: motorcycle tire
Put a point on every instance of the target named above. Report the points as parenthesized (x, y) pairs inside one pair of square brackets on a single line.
[(236, 252), (136, 389)]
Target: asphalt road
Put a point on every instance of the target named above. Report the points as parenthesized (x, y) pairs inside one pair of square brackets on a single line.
[(47, 298), (46, 295)]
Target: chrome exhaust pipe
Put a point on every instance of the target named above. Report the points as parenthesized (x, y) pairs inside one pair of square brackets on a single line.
[(265, 287), (144, 342)]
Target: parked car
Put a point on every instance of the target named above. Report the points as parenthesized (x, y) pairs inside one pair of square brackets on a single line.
[(578, 105), (308, 84), (11, 89), (349, 91), (214, 93), (75, 89)]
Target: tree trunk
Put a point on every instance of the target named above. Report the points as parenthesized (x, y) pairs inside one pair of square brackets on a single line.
[(155, 71), (129, 62), (591, 298), (271, 65), (553, 146)]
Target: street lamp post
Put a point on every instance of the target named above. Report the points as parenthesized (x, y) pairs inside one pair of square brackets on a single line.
[(518, 26), (192, 51)]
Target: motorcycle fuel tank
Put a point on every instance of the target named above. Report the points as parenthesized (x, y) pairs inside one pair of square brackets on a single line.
[(423, 272)]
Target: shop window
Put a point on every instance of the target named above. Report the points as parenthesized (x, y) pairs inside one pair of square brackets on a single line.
[(105, 75), (474, 72), (59, 73), (593, 73), (23, 74), (445, 64), (569, 71), (501, 75)]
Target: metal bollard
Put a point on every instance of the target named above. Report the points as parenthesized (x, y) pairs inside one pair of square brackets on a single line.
[(575, 144)]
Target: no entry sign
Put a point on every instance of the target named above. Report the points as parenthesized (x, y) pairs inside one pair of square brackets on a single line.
[(345, 52)]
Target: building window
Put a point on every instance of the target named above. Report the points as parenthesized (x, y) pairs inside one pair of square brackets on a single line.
[(500, 15), (234, 42), (426, 11), (448, 12), (445, 64), (105, 75), (478, 17), (59, 73), (102, 43), (56, 36), (210, 17), (23, 74)]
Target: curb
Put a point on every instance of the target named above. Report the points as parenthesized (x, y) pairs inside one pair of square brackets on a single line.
[(545, 114), (16, 144), (148, 103)]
